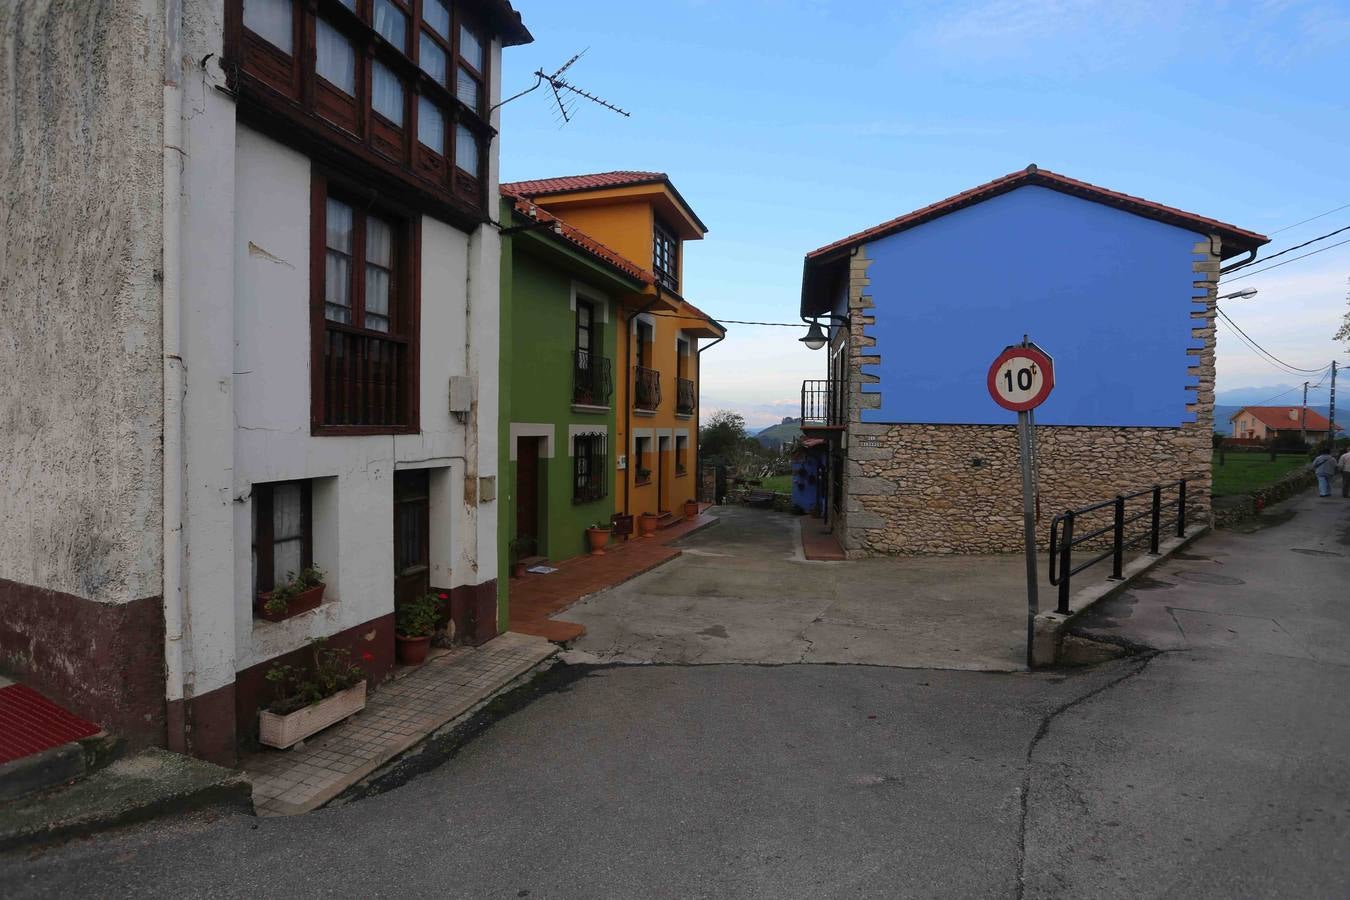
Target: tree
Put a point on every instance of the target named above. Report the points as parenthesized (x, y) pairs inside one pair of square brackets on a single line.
[(1344, 333), (723, 438)]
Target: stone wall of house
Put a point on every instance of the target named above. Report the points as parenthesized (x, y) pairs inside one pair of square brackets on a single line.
[(932, 489), (81, 96)]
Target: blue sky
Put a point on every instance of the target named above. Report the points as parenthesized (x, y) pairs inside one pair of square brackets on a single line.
[(790, 123)]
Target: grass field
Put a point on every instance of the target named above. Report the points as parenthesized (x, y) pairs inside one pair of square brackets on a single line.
[(1242, 473), (779, 483)]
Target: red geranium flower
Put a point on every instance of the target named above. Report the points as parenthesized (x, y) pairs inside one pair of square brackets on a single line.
[(444, 596), (367, 656)]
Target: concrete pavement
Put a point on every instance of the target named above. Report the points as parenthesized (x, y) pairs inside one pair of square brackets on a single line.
[(1214, 769), (743, 593)]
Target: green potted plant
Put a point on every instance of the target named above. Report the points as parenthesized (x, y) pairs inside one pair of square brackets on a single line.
[(414, 623), (644, 476), (597, 536), (308, 700), (299, 593)]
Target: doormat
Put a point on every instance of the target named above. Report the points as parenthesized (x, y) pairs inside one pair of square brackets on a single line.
[(541, 570), (30, 723)]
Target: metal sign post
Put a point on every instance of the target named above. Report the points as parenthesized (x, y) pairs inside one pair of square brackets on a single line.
[(1021, 379)]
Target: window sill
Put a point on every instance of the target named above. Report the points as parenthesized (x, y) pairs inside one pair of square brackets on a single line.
[(684, 416), (588, 408), (644, 412), (681, 474), (361, 430), (639, 482)]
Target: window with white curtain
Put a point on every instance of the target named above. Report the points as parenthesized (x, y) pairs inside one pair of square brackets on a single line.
[(431, 58), (379, 272), (430, 125), (436, 13), (386, 93), (391, 24), (271, 20), (335, 58), (466, 150), (337, 305)]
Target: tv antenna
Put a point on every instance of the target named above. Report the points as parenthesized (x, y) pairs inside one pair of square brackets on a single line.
[(563, 89)]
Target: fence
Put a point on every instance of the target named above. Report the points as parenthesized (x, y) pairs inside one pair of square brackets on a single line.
[(1063, 540)]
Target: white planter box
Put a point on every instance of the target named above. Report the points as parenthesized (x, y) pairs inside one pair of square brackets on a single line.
[(283, 731)]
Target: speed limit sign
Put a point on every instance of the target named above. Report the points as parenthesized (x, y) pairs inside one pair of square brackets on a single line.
[(1021, 378)]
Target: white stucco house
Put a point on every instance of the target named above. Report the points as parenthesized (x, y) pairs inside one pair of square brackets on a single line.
[(251, 294)]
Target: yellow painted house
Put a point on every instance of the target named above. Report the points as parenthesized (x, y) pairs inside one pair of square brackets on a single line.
[(641, 217)]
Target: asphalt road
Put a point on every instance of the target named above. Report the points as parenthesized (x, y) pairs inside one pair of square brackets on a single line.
[(1214, 768)]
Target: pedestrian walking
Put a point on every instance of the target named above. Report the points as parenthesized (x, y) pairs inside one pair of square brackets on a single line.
[(1324, 466), (1344, 466)]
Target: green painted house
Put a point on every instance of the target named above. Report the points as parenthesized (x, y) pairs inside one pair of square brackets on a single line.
[(561, 291)]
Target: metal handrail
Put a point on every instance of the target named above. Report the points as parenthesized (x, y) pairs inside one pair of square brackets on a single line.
[(1063, 540)]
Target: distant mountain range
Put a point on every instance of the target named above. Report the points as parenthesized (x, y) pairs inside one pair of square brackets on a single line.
[(776, 436)]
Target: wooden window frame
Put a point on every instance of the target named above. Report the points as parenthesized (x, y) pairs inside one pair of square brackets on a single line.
[(264, 544), (681, 456), (590, 460), (404, 306), (639, 458), (285, 97), (668, 278)]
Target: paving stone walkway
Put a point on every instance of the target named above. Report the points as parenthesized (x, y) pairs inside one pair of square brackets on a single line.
[(534, 599), (397, 716)]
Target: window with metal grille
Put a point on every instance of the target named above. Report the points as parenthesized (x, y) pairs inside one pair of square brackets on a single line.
[(666, 256), (590, 464)]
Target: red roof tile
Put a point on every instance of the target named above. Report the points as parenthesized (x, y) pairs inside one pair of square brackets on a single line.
[(1237, 240), (562, 185), (579, 238), (1285, 418)]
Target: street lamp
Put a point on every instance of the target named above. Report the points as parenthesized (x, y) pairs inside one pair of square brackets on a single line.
[(815, 336), (1244, 294)]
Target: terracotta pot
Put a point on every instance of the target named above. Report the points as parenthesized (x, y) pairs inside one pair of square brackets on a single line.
[(691, 510), (282, 731), (518, 570), (412, 650), (302, 602), (597, 538), (648, 523)]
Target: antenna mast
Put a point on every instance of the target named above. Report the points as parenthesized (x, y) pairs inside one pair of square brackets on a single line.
[(558, 85)]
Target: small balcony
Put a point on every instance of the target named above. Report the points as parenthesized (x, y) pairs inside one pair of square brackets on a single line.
[(592, 379), (823, 405), (646, 388), (685, 396)]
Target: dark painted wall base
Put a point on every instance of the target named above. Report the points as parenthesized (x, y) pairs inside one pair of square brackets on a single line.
[(102, 661)]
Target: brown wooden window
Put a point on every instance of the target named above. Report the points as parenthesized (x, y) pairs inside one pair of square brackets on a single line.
[(283, 532), (590, 464), (642, 473), (365, 329), (399, 84), (681, 454), (666, 256)]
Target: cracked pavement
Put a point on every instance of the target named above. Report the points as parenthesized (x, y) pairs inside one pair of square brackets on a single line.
[(1214, 766)]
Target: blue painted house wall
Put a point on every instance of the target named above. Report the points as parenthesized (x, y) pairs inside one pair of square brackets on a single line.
[(1106, 293)]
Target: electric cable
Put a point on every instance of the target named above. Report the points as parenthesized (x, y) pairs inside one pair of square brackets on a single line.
[(1266, 352), (1288, 261)]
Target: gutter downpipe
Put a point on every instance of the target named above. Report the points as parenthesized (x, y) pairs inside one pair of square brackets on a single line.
[(174, 378), (631, 389), (698, 415)]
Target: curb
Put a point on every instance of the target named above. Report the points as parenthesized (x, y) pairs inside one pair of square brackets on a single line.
[(1051, 627)]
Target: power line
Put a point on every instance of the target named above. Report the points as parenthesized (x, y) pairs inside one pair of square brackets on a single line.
[(1265, 259), (1281, 369), (1266, 352), (1295, 259), (1306, 221)]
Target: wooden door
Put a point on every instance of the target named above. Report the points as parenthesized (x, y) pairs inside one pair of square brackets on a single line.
[(663, 474), (412, 545), (527, 495)]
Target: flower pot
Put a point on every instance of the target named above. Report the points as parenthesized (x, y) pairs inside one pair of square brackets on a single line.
[(518, 570), (412, 650), (302, 602), (648, 523), (691, 510), (597, 538), (282, 731)]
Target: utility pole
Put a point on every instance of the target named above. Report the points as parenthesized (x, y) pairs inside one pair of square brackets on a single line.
[(1303, 417), (1331, 411)]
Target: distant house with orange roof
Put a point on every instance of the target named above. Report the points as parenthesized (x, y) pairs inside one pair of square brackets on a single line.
[(1272, 422)]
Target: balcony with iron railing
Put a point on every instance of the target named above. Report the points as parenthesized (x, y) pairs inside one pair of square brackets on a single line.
[(823, 405), (685, 396), (592, 379), (646, 388)]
